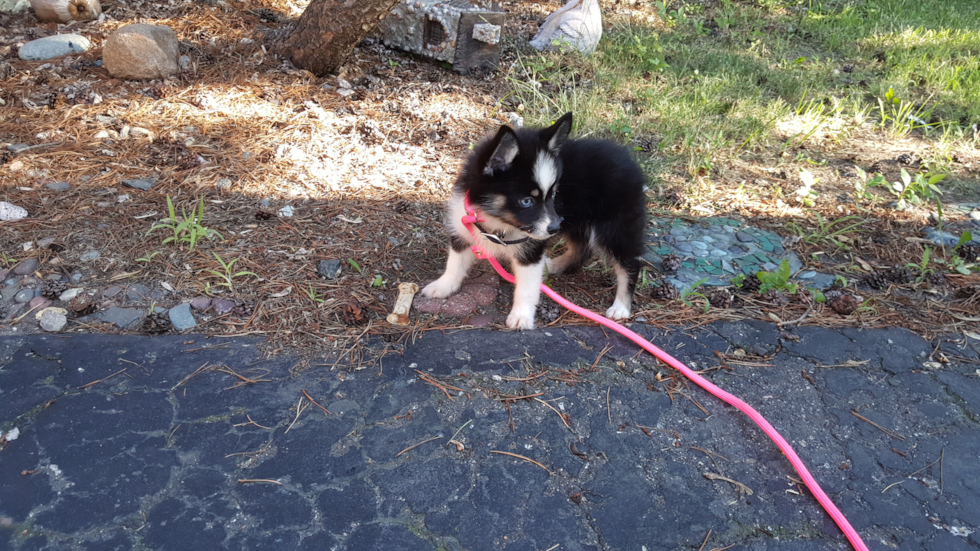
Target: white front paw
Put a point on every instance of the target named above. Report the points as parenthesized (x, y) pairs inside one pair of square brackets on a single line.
[(618, 311), (521, 318), (440, 288)]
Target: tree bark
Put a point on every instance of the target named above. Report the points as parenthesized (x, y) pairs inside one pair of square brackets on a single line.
[(326, 33)]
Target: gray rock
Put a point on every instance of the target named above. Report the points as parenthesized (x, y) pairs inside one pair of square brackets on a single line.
[(69, 294), (141, 52), (201, 303), (224, 184), (744, 237), (122, 317), (54, 46), (26, 267), (137, 292), (685, 247), (140, 183), (111, 291), (24, 295), (8, 292), (52, 321), (223, 306), (328, 268), (699, 245), (10, 212), (89, 256), (181, 317)]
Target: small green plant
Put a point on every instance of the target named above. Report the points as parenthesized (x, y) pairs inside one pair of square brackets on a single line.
[(7, 259), (378, 281), (189, 230), (902, 116), (313, 295), (922, 267), (621, 126), (228, 276), (840, 281), (353, 264), (778, 280), (828, 232), (910, 190), (148, 257), (692, 291)]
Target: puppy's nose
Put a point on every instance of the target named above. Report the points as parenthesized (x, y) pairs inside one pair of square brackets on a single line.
[(555, 225)]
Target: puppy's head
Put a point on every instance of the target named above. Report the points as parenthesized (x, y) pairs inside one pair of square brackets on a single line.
[(518, 173)]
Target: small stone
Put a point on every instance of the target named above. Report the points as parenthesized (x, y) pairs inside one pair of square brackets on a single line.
[(699, 245), (111, 291), (69, 294), (481, 320), (807, 275), (141, 132), (744, 237), (14, 6), (26, 267), (54, 46), (90, 256), (328, 268), (201, 303), (53, 320), (24, 295), (286, 212), (223, 306), (10, 212), (39, 303), (140, 183), (101, 135), (122, 317), (181, 317), (59, 186), (224, 184), (137, 292), (685, 247), (140, 51)]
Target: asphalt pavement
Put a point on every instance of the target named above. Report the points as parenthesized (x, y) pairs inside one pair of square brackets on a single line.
[(553, 439)]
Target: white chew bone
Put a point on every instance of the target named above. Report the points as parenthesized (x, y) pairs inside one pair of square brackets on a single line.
[(399, 314)]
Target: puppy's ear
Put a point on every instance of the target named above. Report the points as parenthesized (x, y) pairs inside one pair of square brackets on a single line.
[(556, 134), (505, 150)]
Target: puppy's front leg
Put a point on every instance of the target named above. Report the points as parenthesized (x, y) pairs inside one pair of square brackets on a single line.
[(460, 260), (527, 292)]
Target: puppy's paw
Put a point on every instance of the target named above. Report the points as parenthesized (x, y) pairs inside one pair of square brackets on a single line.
[(520, 319), (618, 311), (439, 288)]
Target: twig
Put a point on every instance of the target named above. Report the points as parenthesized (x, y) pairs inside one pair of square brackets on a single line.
[(325, 410), (522, 457), (739, 487), (893, 434), (299, 410), (244, 380), (197, 372), (413, 446), (560, 415), (253, 480), (602, 353), (251, 422), (705, 542), (104, 379), (608, 411)]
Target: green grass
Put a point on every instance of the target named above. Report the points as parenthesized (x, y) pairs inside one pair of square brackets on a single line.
[(702, 85)]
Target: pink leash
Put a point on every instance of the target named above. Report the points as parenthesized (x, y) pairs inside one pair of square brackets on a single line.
[(852, 536)]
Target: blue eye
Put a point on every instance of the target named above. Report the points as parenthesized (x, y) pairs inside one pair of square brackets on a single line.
[(525, 202)]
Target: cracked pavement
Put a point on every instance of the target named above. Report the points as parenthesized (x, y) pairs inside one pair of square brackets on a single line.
[(236, 456)]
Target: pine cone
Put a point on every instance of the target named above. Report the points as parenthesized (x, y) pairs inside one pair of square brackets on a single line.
[(937, 279), (663, 290), (969, 252), (844, 303), (156, 323), (877, 280), (671, 263), (52, 289), (82, 305), (353, 315), (775, 297), (751, 284), (3, 310), (967, 292), (264, 215), (244, 309), (720, 299), (900, 275)]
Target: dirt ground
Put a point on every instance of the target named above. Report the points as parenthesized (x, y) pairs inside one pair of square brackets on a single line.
[(364, 159)]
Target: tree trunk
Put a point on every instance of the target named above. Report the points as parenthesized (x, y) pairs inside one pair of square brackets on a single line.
[(326, 33)]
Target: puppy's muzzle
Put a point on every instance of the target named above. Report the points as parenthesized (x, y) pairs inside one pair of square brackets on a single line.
[(555, 225)]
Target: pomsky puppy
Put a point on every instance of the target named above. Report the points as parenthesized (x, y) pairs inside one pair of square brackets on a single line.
[(535, 185)]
